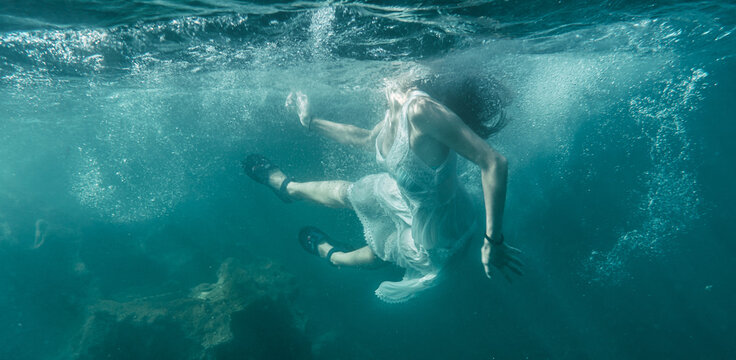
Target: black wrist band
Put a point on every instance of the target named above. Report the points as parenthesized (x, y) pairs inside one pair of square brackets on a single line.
[(499, 242)]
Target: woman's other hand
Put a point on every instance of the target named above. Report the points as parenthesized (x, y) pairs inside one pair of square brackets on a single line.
[(503, 257), (299, 103)]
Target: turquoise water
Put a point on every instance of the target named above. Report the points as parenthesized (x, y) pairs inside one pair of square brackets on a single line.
[(122, 125)]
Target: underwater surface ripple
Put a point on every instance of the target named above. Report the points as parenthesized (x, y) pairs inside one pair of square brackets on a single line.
[(122, 125)]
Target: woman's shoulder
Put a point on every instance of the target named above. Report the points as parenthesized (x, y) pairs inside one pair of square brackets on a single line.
[(424, 111)]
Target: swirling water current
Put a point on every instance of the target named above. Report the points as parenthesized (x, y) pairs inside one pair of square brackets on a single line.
[(122, 124)]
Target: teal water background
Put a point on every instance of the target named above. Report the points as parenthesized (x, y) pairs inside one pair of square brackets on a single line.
[(122, 125)]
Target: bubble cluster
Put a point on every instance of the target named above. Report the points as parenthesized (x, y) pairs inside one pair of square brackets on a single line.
[(321, 30), (127, 189), (671, 202), (135, 168)]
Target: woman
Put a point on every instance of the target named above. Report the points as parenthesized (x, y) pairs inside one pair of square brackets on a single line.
[(416, 214)]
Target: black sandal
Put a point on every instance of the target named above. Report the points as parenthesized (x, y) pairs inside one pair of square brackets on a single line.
[(259, 168), (310, 237)]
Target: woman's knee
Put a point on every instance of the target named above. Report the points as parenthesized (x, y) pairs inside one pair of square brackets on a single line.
[(341, 193)]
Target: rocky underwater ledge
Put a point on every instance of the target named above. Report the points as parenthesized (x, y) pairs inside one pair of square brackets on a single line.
[(252, 311), (247, 313)]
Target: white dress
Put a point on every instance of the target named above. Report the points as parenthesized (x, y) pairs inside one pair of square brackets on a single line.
[(413, 215)]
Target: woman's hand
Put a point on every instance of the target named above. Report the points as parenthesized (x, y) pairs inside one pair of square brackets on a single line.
[(299, 102), (503, 257)]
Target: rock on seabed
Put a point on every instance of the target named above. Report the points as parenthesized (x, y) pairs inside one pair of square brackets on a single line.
[(246, 314)]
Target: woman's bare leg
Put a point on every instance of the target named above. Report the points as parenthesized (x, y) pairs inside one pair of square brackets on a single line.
[(363, 257), (328, 193), (333, 194)]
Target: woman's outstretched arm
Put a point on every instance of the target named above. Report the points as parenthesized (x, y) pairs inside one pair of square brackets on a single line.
[(443, 125), (343, 133), (346, 134)]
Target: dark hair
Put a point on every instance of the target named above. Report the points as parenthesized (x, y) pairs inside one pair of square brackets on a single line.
[(479, 102)]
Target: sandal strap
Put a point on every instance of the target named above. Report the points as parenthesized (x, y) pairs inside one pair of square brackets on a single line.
[(282, 193), (329, 254), (284, 184)]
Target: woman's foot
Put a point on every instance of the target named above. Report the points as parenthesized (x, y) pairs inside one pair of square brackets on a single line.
[(263, 171), (316, 242), (324, 249), (276, 178)]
